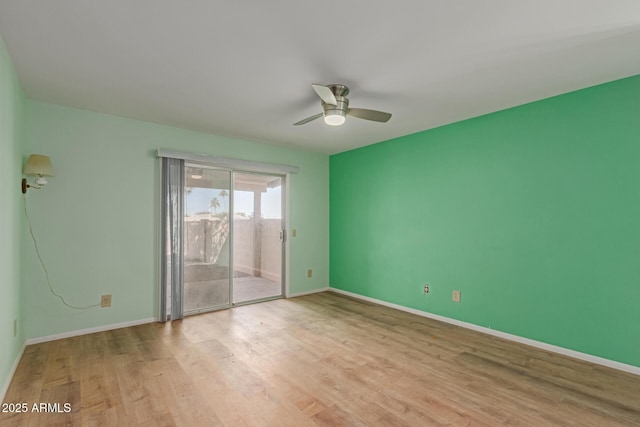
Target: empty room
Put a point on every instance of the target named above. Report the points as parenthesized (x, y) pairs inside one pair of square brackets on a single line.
[(413, 213)]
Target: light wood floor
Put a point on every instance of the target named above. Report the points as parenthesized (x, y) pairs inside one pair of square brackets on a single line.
[(323, 360)]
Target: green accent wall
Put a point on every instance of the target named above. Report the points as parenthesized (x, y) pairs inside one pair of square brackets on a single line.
[(533, 213), (11, 219), (97, 220)]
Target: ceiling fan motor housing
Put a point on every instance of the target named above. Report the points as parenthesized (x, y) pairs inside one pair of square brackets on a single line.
[(336, 110), (339, 90)]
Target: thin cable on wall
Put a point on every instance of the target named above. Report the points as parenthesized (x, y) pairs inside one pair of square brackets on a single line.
[(46, 273)]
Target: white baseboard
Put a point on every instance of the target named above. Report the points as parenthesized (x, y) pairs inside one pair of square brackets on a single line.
[(533, 343), (5, 387), (89, 330), (312, 291)]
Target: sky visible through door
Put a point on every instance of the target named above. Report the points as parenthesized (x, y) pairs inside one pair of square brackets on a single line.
[(199, 200)]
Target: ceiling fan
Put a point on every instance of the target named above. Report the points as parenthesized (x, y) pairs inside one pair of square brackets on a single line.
[(335, 107)]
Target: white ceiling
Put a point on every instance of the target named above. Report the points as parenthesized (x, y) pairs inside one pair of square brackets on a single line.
[(244, 68)]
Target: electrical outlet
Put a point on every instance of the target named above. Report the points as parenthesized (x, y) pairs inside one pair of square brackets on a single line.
[(105, 301), (426, 289), (15, 327), (294, 233), (309, 273), (455, 296)]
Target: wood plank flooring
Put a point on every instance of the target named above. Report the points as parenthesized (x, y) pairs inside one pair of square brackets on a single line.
[(318, 360)]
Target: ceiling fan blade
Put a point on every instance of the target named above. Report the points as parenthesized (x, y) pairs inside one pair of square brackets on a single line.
[(325, 94), (363, 113), (308, 119)]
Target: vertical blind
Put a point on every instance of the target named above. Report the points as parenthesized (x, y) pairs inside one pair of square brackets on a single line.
[(172, 238)]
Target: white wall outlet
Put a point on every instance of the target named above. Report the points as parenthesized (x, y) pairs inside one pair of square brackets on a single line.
[(455, 296), (426, 289), (105, 301), (309, 273)]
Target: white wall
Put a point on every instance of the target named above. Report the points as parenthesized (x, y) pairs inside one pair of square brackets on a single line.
[(97, 221)]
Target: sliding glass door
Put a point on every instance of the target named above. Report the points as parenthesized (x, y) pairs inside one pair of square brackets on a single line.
[(258, 235), (233, 238), (223, 235), (207, 239)]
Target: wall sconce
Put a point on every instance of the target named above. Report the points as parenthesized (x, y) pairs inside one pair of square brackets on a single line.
[(37, 165)]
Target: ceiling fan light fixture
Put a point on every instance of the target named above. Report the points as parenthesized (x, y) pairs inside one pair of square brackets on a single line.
[(334, 117)]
